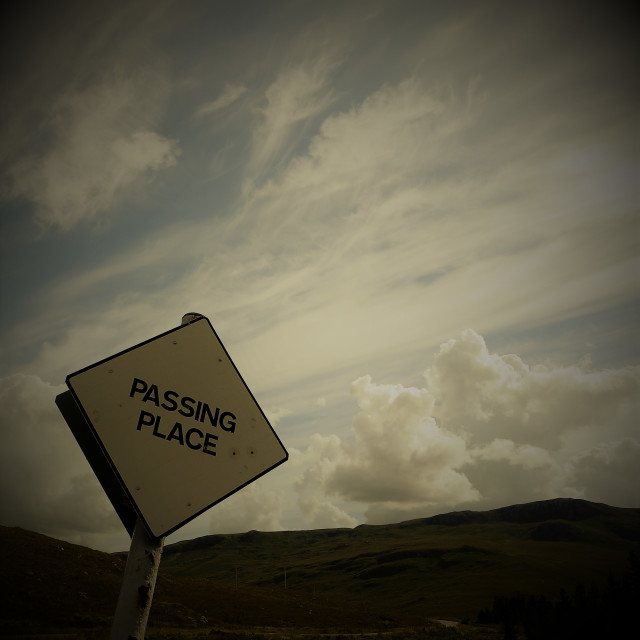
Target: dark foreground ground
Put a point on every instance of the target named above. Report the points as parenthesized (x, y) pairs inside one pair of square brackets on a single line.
[(432, 630), (554, 569)]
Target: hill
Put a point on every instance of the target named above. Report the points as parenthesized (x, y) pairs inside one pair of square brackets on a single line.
[(450, 565), (50, 586), (370, 577)]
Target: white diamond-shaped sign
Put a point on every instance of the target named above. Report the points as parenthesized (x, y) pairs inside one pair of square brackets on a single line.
[(177, 423)]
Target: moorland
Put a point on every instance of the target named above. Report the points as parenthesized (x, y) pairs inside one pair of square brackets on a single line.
[(440, 577)]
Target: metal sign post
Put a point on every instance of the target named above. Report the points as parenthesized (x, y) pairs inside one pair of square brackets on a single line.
[(170, 428), (138, 585)]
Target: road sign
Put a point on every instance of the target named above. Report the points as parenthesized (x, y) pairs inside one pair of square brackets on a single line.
[(177, 423)]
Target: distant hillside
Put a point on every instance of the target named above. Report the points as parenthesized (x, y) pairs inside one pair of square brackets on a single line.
[(448, 565), (557, 509), (451, 565), (51, 586)]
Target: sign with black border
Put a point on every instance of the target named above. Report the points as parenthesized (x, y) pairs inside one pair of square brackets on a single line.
[(176, 423)]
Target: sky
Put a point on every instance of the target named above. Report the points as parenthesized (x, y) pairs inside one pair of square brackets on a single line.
[(413, 224)]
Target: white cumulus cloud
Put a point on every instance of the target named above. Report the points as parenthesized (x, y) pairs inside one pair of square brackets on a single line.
[(45, 482), (252, 507), (608, 472), (485, 431)]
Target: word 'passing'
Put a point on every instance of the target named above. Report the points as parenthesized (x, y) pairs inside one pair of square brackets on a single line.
[(196, 410)]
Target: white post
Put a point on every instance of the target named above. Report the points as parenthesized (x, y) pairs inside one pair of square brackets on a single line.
[(140, 574), (138, 585)]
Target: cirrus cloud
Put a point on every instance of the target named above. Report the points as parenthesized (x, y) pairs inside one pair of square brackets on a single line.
[(101, 147), (229, 95)]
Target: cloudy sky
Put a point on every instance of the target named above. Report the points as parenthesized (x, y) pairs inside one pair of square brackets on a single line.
[(413, 224)]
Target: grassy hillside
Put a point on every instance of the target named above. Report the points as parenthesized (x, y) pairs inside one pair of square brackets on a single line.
[(367, 578), (450, 565), (51, 586)]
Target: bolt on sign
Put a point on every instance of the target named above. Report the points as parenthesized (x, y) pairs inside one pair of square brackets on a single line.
[(177, 424)]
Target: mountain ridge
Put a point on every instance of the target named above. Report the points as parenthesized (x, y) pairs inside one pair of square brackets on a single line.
[(571, 509), (450, 565)]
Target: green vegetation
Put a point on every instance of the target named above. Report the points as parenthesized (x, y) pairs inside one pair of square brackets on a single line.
[(583, 614), (430, 631), (388, 582), (448, 566)]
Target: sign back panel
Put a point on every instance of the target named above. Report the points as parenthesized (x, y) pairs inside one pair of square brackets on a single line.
[(177, 423)]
